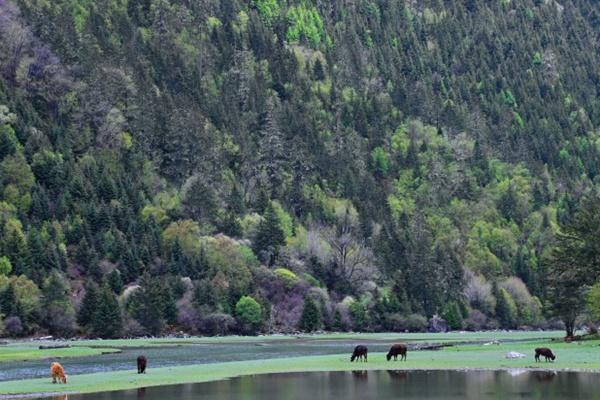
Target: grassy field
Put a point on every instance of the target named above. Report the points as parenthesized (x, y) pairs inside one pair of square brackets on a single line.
[(409, 337), (27, 352), (570, 356)]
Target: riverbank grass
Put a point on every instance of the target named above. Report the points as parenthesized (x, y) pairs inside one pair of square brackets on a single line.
[(570, 356), (21, 352)]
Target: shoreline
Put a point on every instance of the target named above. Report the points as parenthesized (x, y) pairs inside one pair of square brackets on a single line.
[(571, 357), (29, 395)]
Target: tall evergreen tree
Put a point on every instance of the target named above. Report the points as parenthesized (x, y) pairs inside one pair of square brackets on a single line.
[(269, 236), (311, 319), (107, 322), (89, 306)]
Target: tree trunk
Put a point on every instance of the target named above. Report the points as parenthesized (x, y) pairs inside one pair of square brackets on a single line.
[(570, 328)]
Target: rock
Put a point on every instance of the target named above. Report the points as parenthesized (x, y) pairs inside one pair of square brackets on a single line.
[(492, 342), (514, 354)]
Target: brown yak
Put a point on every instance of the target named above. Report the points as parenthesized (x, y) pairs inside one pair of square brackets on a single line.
[(395, 350), (544, 351), (141, 364), (360, 353), (57, 372)]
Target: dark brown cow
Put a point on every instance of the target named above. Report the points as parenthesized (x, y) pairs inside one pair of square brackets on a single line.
[(141, 364), (397, 349), (544, 351), (360, 353)]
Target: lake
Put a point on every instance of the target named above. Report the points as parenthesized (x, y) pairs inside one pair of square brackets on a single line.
[(380, 385)]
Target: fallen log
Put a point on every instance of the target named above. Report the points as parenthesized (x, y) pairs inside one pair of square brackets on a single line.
[(54, 346)]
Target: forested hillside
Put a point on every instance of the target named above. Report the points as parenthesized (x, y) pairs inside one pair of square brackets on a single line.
[(221, 166)]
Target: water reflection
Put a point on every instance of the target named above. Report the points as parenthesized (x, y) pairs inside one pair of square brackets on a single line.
[(397, 375), (377, 385), (360, 374), (545, 376)]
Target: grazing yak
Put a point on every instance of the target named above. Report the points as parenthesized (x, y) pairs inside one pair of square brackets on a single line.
[(544, 351), (58, 373), (360, 353), (141, 364), (397, 349)]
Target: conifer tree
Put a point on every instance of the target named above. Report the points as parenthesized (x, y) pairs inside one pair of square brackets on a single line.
[(107, 322), (115, 282), (311, 319), (269, 236), (89, 306), (8, 301)]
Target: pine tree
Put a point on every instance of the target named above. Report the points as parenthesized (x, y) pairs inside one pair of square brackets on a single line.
[(506, 309), (89, 306), (107, 322), (177, 260), (453, 316), (310, 320), (115, 282), (338, 323), (8, 301), (269, 236), (146, 305)]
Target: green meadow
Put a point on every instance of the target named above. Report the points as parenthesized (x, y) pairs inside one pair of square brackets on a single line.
[(584, 355)]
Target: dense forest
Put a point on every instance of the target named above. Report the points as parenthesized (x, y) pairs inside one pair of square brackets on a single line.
[(243, 166)]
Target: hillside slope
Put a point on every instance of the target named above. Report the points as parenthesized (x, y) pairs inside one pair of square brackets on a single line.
[(385, 160)]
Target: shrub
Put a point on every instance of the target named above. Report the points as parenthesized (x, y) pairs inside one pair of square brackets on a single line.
[(288, 277), (416, 323), (249, 314), (133, 329), (13, 326), (476, 320), (217, 324)]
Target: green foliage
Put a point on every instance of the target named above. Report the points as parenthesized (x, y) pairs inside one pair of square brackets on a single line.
[(359, 315), (5, 266), (453, 316), (9, 144), (288, 277), (593, 301), (573, 263), (506, 309), (268, 9), (107, 321), (269, 236), (305, 24), (285, 220), (310, 319), (249, 314), (381, 162)]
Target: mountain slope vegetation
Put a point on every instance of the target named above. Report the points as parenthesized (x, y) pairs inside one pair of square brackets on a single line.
[(232, 166)]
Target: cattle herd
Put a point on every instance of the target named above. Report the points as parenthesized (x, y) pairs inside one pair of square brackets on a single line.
[(360, 352)]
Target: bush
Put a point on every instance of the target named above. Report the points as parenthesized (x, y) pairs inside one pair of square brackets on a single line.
[(60, 321), (288, 277), (249, 314), (476, 320), (133, 329), (217, 324), (13, 326), (416, 323), (400, 323)]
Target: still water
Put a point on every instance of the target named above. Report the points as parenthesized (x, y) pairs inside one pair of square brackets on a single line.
[(380, 385)]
